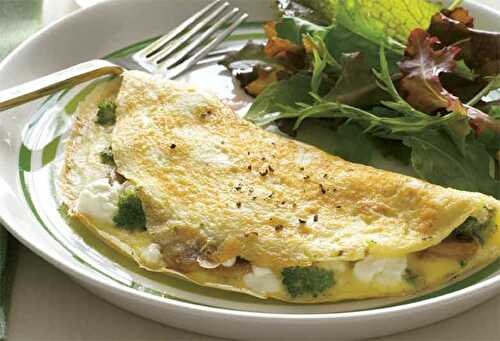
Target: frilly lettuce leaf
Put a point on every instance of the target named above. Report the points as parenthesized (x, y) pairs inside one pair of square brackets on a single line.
[(480, 49), (422, 87), (377, 20), (421, 84)]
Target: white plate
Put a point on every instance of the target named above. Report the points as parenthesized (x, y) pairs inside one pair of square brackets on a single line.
[(87, 3), (31, 147)]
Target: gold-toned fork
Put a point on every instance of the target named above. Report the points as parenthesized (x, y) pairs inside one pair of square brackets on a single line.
[(172, 54)]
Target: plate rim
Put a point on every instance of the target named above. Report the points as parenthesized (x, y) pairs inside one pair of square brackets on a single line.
[(489, 284)]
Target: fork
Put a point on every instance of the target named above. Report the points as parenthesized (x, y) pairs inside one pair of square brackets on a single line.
[(170, 55)]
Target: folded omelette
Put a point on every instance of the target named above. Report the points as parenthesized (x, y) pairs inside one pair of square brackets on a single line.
[(168, 175)]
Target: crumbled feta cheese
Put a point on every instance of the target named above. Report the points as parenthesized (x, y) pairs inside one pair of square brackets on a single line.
[(229, 263), (152, 254), (205, 263), (99, 200), (262, 280), (208, 264), (380, 269)]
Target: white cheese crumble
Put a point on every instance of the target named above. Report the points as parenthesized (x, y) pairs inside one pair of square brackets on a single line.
[(262, 280), (99, 200), (229, 263), (380, 269), (207, 264), (152, 254)]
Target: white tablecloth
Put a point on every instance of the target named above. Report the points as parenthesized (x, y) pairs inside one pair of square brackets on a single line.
[(48, 305)]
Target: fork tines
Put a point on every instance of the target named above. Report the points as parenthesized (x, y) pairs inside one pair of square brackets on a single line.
[(192, 40)]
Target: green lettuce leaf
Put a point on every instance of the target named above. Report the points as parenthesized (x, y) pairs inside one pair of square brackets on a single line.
[(464, 71), (283, 93), (357, 85), (435, 158), (377, 20), (494, 111), (338, 40), (350, 142), (293, 29)]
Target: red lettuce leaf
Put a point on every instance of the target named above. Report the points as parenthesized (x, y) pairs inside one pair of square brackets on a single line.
[(463, 88), (481, 121), (420, 84), (480, 49), (422, 87)]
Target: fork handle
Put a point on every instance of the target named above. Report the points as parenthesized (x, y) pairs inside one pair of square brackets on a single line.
[(49, 84)]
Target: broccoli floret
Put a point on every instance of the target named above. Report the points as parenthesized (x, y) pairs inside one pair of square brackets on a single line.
[(107, 157), (410, 277), (472, 229), (309, 280), (130, 213), (106, 113)]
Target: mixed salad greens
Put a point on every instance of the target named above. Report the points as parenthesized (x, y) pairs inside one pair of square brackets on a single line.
[(403, 85)]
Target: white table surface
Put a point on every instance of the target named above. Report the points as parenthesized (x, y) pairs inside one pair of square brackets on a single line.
[(48, 305)]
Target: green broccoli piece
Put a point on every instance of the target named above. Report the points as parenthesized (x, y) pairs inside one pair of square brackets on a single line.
[(472, 229), (130, 213), (107, 157), (309, 280), (106, 113), (410, 277)]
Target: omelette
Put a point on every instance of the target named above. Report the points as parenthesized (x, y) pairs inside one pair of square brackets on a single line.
[(171, 177)]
